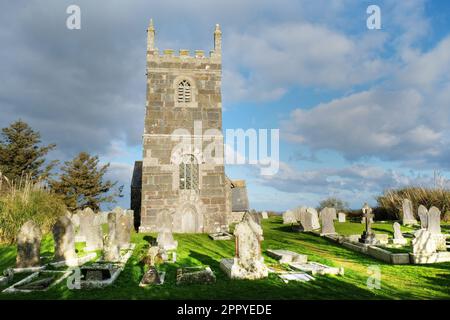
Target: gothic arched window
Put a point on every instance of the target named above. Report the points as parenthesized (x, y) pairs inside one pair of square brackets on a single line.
[(184, 92), (189, 172)]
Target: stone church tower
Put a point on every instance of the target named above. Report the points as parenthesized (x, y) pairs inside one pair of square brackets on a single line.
[(178, 185)]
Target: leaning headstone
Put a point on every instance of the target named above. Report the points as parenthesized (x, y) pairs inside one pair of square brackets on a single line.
[(313, 217), (368, 236), (341, 217), (64, 238), (327, 218), (29, 246), (265, 215), (408, 214), (423, 243), (423, 215), (398, 236), (111, 251), (289, 217), (248, 262)]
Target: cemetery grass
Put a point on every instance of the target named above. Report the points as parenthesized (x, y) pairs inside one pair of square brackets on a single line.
[(397, 282)]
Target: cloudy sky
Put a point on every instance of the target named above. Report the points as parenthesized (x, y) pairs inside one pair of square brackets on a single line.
[(358, 110)]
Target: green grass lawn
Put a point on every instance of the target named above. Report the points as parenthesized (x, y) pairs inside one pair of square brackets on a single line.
[(397, 282)]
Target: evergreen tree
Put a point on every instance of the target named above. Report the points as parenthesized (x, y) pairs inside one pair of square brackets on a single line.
[(81, 183), (20, 153)]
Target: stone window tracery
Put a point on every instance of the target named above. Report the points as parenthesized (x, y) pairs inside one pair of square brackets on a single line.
[(189, 173)]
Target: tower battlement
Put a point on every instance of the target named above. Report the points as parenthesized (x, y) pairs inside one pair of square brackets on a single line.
[(183, 55)]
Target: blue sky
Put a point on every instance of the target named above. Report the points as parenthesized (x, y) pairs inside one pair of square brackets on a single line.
[(358, 110)]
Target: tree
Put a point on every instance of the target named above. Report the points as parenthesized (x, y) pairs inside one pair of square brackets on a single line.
[(81, 183), (332, 202), (20, 153)]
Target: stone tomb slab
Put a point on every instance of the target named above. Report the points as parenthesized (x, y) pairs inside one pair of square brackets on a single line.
[(39, 281), (195, 275), (286, 256), (295, 276), (221, 236), (317, 268)]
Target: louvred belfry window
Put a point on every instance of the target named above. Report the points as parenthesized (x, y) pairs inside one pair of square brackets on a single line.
[(184, 92), (189, 173)]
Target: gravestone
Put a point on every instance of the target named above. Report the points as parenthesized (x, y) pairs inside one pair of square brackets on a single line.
[(434, 227), (265, 215), (289, 217), (423, 243), (434, 221), (29, 245), (91, 229), (312, 218), (408, 213), (368, 236), (248, 262), (64, 238), (327, 218), (111, 250), (341, 217), (423, 215), (398, 236), (165, 240), (124, 225)]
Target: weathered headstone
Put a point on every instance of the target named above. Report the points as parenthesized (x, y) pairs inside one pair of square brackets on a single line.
[(408, 213), (434, 221), (312, 219), (248, 262), (423, 243), (64, 238), (368, 236), (341, 217), (434, 227), (111, 250), (29, 245), (91, 229), (265, 215), (165, 240), (327, 218), (289, 217), (423, 215), (124, 225), (398, 236)]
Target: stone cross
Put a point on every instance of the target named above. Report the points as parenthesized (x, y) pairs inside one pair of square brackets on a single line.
[(423, 215), (368, 235), (408, 214), (64, 238), (29, 245)]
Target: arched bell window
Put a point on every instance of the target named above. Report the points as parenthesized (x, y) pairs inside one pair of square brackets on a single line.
[(189, 173), (184, 92)]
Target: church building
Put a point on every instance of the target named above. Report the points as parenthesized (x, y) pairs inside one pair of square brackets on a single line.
[(181, 180)]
